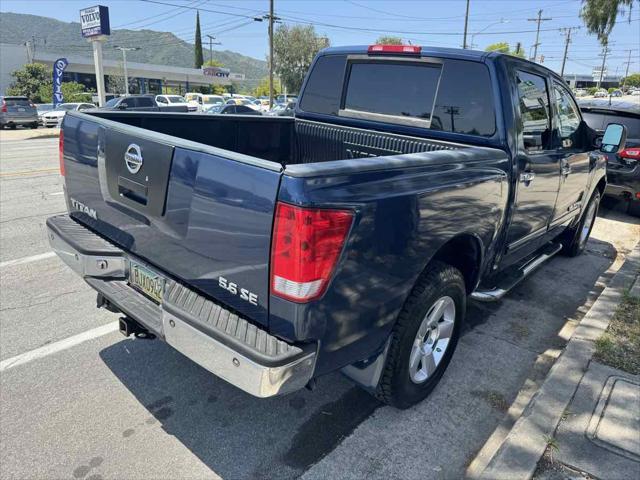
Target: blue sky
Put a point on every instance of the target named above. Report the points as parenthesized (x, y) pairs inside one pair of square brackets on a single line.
[(423, 22)]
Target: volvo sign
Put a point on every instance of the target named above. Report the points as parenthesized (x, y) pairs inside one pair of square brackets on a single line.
[(95, 21)]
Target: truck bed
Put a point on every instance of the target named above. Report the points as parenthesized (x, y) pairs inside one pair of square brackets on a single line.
[(284, 140)]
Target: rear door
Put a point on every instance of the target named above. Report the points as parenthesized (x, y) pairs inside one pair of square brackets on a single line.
[(189, 211), (538, 166)]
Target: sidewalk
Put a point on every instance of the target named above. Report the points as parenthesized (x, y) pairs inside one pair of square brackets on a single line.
[(584, 422)]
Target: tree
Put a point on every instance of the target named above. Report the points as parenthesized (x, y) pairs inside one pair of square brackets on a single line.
[(389, 40), (35, 82), (29, 80), (213, 63), (599, 16), (262, 89), (71, 92), (632, 80), (503, 47), (198, 46), (293, 50)]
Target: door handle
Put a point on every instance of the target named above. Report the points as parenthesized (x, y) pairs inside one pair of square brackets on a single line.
[(527, 177), (565, 170)]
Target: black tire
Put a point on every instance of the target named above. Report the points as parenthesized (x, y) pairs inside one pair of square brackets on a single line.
[(13, 126), (634, 208), (396, 386), (575, 239), (34, 126)]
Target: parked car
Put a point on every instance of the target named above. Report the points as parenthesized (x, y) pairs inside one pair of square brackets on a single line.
[(238, 109), (172, 103), (616, 93), (16, 110), (282, 110), (210, 100), (195, 101), (275, 250), (623, 167), (54, 117), (43, 108), (601, 94), (133, 102), (635, 92)]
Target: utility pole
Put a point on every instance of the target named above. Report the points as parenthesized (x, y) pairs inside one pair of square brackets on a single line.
[(270, 54), (604, 53), (211, 44), (626, 73), (466, 23), (567, 41), (539, 20), (124, 51)]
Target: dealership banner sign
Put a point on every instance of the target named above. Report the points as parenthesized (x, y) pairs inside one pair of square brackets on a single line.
[(59, 67), (216, 72), (94, 21)]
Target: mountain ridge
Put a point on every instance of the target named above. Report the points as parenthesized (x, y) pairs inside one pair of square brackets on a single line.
[(160, 48)]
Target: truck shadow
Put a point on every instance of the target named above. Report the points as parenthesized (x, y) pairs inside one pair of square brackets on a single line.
[(233, 433)]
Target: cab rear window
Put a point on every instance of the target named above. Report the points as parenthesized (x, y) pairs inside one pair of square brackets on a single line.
[(452, 96)]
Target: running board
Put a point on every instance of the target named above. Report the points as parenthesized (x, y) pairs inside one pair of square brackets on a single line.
[(514, 277)]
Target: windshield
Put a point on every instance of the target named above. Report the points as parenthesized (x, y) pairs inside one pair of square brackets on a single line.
[(176, 99), (191, 97), (212, 100), (44, 107), (112, 102), (216, 108), (68, 106)]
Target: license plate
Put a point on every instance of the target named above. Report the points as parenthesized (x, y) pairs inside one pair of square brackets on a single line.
[(22, 110), (146, 281)]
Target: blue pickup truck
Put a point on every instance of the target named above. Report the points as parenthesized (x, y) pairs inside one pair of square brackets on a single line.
[(274, 250)]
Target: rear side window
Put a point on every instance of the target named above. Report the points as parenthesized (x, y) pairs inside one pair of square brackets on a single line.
[(414, 85), (455, 96)]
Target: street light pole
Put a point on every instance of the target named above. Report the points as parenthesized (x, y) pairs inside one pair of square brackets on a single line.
[(473, 35), (466, 23), (124, 51), (270, 54)]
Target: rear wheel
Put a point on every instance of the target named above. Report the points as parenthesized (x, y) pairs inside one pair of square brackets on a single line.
[(13, 126), (34, 125), (574, 240), (424, 337)]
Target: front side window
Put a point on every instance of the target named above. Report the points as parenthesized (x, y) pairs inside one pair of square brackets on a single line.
[(533, 98), (568, 116)]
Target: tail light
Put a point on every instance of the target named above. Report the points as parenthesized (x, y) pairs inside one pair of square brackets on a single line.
[(630, 153), (307, 243), (410, 49), (61, 152), (3, 108)]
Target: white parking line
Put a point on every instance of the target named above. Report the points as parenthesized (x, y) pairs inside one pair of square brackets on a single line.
[(58, 346), (32, 258), (56, 193)]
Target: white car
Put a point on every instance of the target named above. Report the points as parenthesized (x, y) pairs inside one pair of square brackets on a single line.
[(635, 92), (209, 101), (601, 94), (54, 117)]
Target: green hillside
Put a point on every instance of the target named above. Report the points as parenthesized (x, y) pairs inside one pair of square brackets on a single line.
[(161, 48)]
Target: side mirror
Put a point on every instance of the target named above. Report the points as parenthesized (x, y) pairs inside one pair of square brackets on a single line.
[(614, 139)]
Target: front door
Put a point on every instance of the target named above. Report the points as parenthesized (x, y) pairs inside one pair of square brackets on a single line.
[(537, 164)]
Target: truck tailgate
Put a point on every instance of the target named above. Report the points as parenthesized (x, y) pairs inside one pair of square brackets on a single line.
[(188, 210)]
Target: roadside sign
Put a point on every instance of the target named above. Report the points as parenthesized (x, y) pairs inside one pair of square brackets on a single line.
[(216, 72), (58, 69), (95, 21)]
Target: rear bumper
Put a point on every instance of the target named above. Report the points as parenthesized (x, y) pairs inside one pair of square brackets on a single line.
[(19, 120), (207, 333)]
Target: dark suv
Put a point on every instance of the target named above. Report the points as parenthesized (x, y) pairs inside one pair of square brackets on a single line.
[(623, 168), (16, 111), (133, 102)]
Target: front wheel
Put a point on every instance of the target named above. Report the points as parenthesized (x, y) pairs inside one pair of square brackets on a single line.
[(575, 239), (424, 337)]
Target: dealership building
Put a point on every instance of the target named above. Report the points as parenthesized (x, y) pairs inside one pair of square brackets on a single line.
[(143, 77)]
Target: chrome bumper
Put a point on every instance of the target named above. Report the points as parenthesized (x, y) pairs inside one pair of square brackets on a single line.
[(220, 341)]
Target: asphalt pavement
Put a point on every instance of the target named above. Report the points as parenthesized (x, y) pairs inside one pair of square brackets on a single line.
[(78, 400)]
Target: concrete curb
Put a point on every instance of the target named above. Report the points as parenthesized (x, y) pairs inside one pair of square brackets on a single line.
[(518, 454)]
